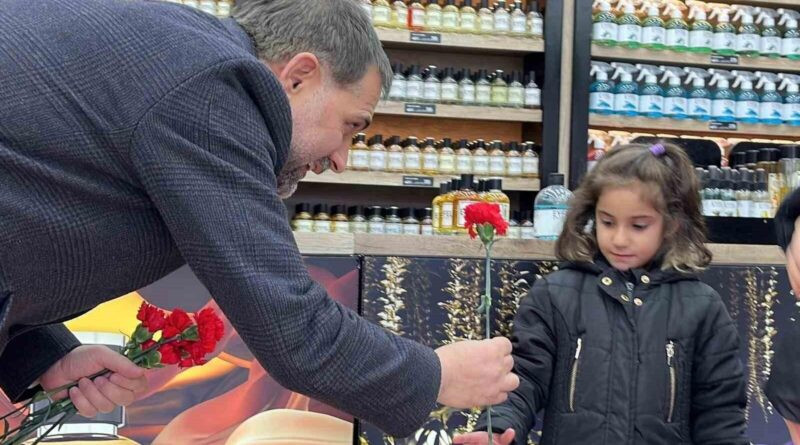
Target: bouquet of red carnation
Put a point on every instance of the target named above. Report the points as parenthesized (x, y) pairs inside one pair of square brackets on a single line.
[(159, 339), (484, 220)]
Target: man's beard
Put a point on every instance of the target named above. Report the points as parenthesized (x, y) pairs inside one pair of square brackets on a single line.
[(287, 182)]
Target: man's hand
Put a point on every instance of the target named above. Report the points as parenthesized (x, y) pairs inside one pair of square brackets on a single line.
[(120, 388), (476, 373), (793, 259), (482, 438)]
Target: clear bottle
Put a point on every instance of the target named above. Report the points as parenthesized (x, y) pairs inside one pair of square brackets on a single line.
[(494, 194), (449, 87), (789, 165), (426, 221), (654, 35), (516, 91), (604, 26), (533, 95), (519, 22), (359, 153), (499, 90), (550, 208), (485, 18), (502, 19), (376, 225), (436, 206), (752, 161), (433, 16), (433, 86), (411, 224), (322, 219), (450, 15), (530, 161), (535, 20), (771, 39), (727, 194), (447, 158), (468, 18), (393, 225), (398, 90), (724, 41), (677, 30), (341, 223), (415, 86), (712, 192), (395, 158), (743, 198), (748, 41), (416, 16), (303, 220), (513, 161), (412, 157), (462, 199), (513, 226), (358, 222), (761, 198), (377, 155), (430, 158), (629, 28), (463, 158), (526, 226), (701, 36), (466, 88), (400, 14), (480, 158), (382, 14), (497, 159), (483, 89)]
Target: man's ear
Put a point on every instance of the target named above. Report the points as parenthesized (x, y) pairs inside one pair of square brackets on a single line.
[(298, 73)]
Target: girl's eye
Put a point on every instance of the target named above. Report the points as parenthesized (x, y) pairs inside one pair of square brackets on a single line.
[(606, 223), (639, 226)]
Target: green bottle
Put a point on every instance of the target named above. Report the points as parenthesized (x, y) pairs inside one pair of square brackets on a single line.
[(701, 36), (499, 90), (748, 42), (677, 30), (790, 47), (654, 36), (604, 26), (629, 33), (770, 34), (724, 33)]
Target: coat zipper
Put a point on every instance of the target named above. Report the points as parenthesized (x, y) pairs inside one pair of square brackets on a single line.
[(672, 379), (573, 378)]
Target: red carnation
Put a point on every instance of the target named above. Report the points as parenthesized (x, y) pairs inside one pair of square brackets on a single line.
[(170, 355), (211, 329), (177, 322), (151, 317), (484, 213)]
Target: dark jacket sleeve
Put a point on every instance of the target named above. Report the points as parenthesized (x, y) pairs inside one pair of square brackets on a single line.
[(206, 157), (534, 354), (718, 384), (28, 356), (785, 217)]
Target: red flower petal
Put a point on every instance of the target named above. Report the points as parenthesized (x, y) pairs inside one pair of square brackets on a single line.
[(176, 323)]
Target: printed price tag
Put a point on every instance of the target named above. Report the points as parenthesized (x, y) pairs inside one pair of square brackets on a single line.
[(426, 37), (418, 181), (420, 109)]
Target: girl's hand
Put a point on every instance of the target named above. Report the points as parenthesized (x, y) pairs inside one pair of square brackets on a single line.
[(481, 438)]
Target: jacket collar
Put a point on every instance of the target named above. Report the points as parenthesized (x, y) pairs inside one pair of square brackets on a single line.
[(649, 275)]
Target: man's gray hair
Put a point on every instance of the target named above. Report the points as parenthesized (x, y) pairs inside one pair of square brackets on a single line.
[(338, 32)]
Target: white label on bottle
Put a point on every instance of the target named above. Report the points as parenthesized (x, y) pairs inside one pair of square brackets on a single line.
[(651, 104), (341, 227), (748, 42), (723, 41), (430, 161), (433, 91), (426, 230), (748, 109), (729, 209), (699, 107), (530, 165), (705, 208), (464, 164), (410, 229), (360, 158), (723, 108), (393, 229), (483, 94), (480, 165), (447, 163), (701, 39), (462, 212), (450, 92), (303, 225), (376, 227), (468, 22), (396, 160), (417, 18), (674, 106), (516, 96), (601, 101), (467, 93), (654, 35), (434, 19), (322, 226), (519, 24), (743, 209), (398, 90), (605, 31), (497, 165), (771, 111), (677, 37), (381, 15), (411, 161), (402, 17), (450, 20), (629, 33), (537, 26), (487, 22), (771, 45), (533, 97), (502, 23), (715, 207), (514, 166), (447, 215), (763, 210), (358, 227), (414, 90), (791, 112), (377, 160), (547, 223), (790, 46), (626, 103)]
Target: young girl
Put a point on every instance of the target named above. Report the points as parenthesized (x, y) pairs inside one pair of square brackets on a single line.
[(623, 345)]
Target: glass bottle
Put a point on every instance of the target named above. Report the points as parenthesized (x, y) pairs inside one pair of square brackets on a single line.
[(358, 222), (430, 158), (359, 153), (400, 14), (412, 157), (502, 19), (743, 200), (468, 18), (410, 222), (485, 18), (395, 157), (433, 87), (447, 158), (433, 16), (416, 15), (463, 158), (790, 166), (393, 225), (381, 14), (533, 95), (415, 87), (526, 228), (466, 88), (449, 93), (322, 219), (303, 221), (499, 90), (376, 225), (530, 161), (497, 159), (513, 161), (752, 160), (483, 89), (516, 91), (761, 197), (426, 222), (448, 209), (519, 22), (436, 206), (450, 16), (465, 197), (494, 194), (377, 154), (398, 90), (535, 20), (513, 226), (341, 224), (480, 159), (550, 208)]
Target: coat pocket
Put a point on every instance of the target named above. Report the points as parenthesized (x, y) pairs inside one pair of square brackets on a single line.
[(573, 376)]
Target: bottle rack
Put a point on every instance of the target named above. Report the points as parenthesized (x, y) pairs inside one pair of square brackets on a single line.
[(382, 179), (461, 112)]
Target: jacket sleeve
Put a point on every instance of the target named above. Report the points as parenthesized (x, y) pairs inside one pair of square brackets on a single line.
[(28, 356), (783, 387), (534, 353), (206, 157), (718, 384), (785, 217)]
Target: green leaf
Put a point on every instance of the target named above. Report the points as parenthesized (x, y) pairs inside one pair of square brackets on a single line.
[(191, 333), (486, 232), (141, 335)]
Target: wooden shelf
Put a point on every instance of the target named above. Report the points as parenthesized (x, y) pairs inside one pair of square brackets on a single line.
[(791, 4), (372, 179), (667, 57), (451, 42), (688, 125), (502, 114), (463, 247)]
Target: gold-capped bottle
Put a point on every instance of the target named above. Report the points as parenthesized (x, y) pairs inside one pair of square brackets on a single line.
[(322, 219), (303, 221), (462, 199), (436, 207), (494, 194), (448, 208)]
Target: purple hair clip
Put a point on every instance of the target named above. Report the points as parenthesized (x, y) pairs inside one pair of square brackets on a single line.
[(658, 150)]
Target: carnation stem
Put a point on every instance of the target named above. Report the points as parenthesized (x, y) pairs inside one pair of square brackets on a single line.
[(487, 303)]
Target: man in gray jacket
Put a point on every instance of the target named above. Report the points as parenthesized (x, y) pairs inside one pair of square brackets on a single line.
[(137, 136)]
